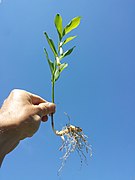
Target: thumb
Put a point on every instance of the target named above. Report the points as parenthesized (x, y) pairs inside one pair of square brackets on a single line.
[(45, 108)]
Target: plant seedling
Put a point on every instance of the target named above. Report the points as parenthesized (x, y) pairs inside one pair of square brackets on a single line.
[(72, 136)]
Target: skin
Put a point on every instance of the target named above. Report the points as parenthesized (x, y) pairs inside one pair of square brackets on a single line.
[(20, 117)]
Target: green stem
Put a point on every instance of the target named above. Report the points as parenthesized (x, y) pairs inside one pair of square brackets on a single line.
[(53, 83), (52, 120)]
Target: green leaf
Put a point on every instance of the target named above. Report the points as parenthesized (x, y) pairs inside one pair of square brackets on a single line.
[(62, 67), (51, 65), (58, 25), (59, 70), (51, 44), (56, 75), (74, 23), (68, 52), (68, 39)]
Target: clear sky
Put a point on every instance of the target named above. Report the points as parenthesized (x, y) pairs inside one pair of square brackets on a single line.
[(97, 90)]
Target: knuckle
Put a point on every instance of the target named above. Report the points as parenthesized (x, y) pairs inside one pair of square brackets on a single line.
[(39, 109), (14, 91), (44, 109), (5, 101)]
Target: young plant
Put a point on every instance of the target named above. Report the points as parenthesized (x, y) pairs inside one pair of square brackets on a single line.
[(72, 136)]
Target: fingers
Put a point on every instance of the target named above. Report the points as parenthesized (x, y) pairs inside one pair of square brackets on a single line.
[(36, 99), (40, 106), (25, 96), (44, 118), (43, 109)]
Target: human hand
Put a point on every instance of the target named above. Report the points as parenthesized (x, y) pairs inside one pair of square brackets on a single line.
[(20, 117)]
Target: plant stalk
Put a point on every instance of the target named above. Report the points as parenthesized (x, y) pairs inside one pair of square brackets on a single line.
[(53, 83), (52, 120)]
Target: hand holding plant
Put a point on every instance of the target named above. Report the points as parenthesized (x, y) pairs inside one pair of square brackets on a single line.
[(72, 137)]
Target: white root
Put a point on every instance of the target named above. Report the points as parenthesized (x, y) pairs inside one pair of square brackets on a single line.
[(73, 139)]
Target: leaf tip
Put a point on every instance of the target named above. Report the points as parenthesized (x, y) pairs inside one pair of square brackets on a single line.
[(57, 14), (45, 33)]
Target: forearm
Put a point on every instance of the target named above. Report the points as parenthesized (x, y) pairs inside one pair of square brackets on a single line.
[(1, 160), (9, 138)]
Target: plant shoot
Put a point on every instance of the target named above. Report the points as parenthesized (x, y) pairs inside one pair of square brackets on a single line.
[(73, 138)]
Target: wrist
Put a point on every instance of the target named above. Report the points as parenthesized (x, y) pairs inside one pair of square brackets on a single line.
[(9, 136), (1, 159)]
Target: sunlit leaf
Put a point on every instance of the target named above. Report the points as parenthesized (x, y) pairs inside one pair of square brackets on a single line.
[(68, 52), (57, 61), (56, 75), (74, 23), (51, 65), (61, 50), (59, 70), (62, 67), (51, 44), (69, 39), (58, 25)]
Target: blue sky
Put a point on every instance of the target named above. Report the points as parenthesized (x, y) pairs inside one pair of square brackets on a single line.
[(97, 90)]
